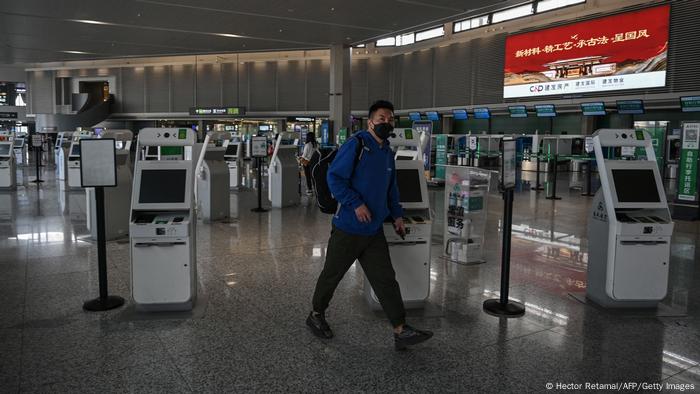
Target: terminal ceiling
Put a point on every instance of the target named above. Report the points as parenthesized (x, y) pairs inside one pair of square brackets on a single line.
[(35, 31)]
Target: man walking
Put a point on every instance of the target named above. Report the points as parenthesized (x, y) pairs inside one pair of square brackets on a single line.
[(366, 191)]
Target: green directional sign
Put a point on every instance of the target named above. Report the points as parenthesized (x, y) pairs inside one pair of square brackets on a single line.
[(342, 135), (688, 171), (440, 156)]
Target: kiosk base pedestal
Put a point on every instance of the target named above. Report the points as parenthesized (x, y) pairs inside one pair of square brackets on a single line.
[(494, 307), (103, 304)]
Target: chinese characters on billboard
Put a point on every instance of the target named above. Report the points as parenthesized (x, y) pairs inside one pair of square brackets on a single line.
[(623, 51)]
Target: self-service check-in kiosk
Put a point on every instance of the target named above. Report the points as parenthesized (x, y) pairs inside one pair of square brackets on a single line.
[(117, 199), (163, 222), (284, 175), (8, 170), (20, 150), (73, 165), (629, 227), (234, 161), (61, 149), (406, 144), (213, 191), (410, 256)]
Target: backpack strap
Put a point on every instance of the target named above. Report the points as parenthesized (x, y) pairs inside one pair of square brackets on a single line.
[(358, 153)]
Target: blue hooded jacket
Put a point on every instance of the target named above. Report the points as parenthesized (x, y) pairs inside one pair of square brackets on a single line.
[(371, 182)]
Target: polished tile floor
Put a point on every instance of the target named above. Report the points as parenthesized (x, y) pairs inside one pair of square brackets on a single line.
[(256, 275)]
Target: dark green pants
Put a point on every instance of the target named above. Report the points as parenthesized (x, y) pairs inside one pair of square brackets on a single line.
[(373, 254)]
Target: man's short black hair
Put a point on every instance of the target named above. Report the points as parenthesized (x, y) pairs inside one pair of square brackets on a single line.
[(379, 104)]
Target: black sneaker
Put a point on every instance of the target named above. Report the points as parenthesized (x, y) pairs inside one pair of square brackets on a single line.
[(410, 336), (319, 326)]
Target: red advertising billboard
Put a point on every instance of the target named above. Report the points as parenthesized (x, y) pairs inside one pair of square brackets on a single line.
[(623, 51)]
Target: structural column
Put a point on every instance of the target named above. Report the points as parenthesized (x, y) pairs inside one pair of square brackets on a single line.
[(340, 97)]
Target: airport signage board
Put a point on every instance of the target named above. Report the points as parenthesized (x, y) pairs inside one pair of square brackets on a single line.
[(440, 156), (460, 114), (217, 111), (508, 164), (98, 162), (37, 141), (593, 109), (473, 143), (300, 119), (482, 113), (432, 115), (259, 146), (545, 110), (630, 107), (617, 52), (690, 103), (688, 171), (517, 111)]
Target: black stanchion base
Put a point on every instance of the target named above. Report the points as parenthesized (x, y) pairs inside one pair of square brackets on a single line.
[(588, 194), (99, 304), (537, 188), (37, 181), (511, 309), (553, 198), (259, 209)]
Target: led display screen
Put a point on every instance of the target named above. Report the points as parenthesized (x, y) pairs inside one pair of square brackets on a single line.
[(593, 109), (622, 51), (482, 113)]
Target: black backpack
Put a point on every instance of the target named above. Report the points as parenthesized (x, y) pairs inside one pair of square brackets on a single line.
[(324, 198)]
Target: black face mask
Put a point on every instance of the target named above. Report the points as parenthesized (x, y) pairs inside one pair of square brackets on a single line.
[(383, 130)]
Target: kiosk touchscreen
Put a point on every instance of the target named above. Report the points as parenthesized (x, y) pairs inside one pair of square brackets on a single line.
[(234, 157), (73, 165), (629, 227), (410, 255), (163, 223), (8, 173)]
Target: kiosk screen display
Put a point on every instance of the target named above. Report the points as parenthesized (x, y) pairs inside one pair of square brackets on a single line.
[(404, 157), (408, 182), (19, 143), (630, 107), (545, 110), (414, 115), (75, 150), (5, 149), (482, 113), (231, 150), (460, 114), (517, 111), (635, 186), (162, 186), (593, 109)]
